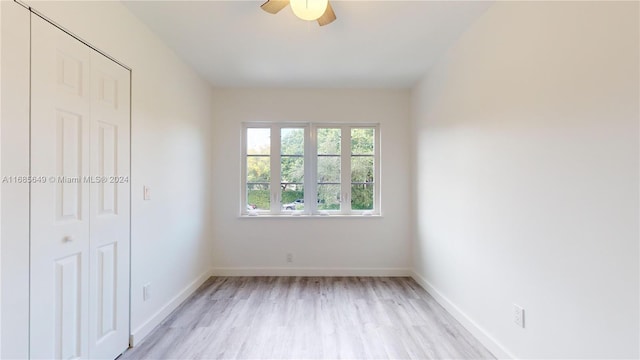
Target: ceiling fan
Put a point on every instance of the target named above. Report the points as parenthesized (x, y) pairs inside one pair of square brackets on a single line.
[(310, 10)]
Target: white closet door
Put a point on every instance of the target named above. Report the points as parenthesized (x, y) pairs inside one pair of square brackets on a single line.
[(60, 128), (109, 209), (79, 224)]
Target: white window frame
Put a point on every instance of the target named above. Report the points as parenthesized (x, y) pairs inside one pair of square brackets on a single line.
[(310, 170)]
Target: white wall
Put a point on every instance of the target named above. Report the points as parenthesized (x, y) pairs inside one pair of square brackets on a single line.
[(526, 136), (14, 205), (171, 152), (329, 246), (1, 6)]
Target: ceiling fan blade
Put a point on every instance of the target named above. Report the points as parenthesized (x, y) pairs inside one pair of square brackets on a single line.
[(273, 6), (328, 17)]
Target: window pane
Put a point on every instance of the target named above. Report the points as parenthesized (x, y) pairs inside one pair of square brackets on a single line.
[(258, 169), (328, 169), (329, 141), (292, 169), (362, 197), (362, 141), (292, 197), (328, 197), (258, 141), (362, 169), (292, 141), (258, 197)]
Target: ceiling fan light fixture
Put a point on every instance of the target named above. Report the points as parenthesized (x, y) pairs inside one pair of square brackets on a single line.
[(309, 9)]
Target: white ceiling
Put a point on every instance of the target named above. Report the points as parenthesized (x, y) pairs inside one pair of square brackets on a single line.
[(371, 44)]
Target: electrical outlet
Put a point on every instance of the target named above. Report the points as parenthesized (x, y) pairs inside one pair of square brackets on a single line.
[(518, 315), (146, 291), (289, 257)]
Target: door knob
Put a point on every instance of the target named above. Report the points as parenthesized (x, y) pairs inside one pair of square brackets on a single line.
[(67, 239)]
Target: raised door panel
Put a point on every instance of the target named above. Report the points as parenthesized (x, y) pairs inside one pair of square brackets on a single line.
[(107, 275), (68, 187), (107, 168), (68, 311)]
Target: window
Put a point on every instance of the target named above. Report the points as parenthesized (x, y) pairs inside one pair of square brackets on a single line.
[(338, 165)]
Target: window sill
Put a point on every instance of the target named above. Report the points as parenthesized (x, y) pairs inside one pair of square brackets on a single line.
[(309, 216)]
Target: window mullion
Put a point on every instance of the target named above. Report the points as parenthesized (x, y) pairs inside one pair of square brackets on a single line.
[(376, 170), (244, 202), (345, 170), (310, 168), (275, 170)]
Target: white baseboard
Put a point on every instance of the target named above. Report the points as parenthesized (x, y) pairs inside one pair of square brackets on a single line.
[(278, 271), (476, 330), (143, 330)]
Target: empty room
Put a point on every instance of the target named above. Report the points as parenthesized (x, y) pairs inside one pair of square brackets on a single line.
[(313, 179)]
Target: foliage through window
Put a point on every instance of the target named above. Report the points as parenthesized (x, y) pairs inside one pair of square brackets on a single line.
[(338, 165)]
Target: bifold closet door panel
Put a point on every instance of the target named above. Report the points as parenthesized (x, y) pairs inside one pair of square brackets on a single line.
[(109, 209), (60, 135), (80, 199)]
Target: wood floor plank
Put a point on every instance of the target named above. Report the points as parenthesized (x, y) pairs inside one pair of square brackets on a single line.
[(309, 318)]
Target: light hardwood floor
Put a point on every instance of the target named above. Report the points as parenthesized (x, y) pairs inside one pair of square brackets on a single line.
[(309, 318)]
